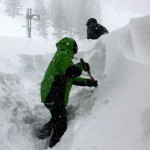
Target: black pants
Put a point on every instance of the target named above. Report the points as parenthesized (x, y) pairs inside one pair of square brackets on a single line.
[(55, 102), (58, 119), (58, 113)]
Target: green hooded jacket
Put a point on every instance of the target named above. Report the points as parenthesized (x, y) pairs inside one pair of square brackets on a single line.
[(57, 67)]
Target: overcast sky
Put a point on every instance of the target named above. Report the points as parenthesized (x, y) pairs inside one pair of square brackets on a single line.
[(136, 6)]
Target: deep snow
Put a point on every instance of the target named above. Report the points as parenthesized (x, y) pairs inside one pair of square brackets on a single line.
[(114, 116)]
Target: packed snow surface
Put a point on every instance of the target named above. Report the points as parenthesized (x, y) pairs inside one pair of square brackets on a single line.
[(114, 116)]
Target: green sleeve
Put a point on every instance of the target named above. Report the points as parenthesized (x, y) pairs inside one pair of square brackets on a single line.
[(80, 81)]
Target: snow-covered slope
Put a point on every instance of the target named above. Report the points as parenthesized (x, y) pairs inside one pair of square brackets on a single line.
[(114, 116), (11, 47), (120, 115)]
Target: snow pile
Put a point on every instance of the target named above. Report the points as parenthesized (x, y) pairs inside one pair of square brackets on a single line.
[(114, 116), (117, 13), (11, 27), (124, 121), (11, 47), (113, 18)]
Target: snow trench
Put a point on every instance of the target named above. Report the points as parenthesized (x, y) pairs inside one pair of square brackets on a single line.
[(114, 116)]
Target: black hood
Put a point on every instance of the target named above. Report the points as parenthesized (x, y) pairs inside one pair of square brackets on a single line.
[(91, 21)]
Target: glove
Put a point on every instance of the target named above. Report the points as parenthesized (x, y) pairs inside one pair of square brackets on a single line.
[(86, 66), (91, 83)]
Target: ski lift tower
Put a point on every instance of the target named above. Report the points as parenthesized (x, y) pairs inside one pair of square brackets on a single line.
[(29, 17)]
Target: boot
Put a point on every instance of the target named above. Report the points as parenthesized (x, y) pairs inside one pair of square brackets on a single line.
[(46, 130), (55, 138), (58, 131)]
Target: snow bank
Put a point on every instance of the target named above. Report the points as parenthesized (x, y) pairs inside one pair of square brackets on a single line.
[(114, 116), (123, 122), (117, 116), (11, 47)]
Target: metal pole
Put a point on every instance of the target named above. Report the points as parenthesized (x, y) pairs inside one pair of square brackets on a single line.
[(27, 22), (29, 17), (30, 11)]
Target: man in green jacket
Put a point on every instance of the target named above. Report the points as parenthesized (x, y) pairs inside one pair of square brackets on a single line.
[(60, 75)]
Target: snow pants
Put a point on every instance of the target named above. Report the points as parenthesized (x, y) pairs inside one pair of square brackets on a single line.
[(59, 121)]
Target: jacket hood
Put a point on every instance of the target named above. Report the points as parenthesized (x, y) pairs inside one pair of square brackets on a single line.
[(91, 21), (66, 44)]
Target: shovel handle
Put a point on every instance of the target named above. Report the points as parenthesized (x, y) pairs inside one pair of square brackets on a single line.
[(89, 73)]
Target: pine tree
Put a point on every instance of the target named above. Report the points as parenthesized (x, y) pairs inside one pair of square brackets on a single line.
[(69, 17), (13, 7), (43, 23), (57, 17)]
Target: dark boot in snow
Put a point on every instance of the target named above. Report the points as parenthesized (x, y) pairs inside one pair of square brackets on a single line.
[(55, 138), (46, 130), (58, 131)]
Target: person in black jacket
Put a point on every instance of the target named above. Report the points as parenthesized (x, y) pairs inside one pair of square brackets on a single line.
[(94, 29)]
